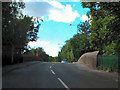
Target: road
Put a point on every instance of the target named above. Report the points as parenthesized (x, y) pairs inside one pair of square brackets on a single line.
[(57, 75)]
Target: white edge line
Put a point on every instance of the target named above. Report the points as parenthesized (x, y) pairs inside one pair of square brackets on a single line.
[(52, 71), (64, 84)]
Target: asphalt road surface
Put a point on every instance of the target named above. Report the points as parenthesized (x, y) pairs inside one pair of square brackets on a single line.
[(57, 75)]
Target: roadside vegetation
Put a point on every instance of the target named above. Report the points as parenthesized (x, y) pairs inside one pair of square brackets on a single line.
[(101, 32), (40, 53), (17, 31), (54, 59)]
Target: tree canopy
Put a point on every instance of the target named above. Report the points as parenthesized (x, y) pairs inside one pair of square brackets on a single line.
[(17, 30), (39, 52), (100, 32)]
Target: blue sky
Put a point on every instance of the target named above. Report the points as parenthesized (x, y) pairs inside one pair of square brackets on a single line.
[(55, 29)]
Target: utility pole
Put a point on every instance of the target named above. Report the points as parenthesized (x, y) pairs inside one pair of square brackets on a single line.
[(13, 36)]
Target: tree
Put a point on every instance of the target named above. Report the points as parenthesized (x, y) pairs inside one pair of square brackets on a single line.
[(17, 30), (39, 52), (74, 48), (105, 19), (98, 33), (10, 12)]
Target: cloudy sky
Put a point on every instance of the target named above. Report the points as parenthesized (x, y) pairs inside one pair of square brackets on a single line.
[(55, 29)]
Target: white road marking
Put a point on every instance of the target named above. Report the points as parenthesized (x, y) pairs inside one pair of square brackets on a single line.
[(64, 84), (50, 66), (52, 71)]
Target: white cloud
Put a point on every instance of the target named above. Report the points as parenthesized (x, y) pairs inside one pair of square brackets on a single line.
[(55, 4), (48, 47), (38, 43), (84, 18), (76, 0), (62, 13), (37, 9), (74, 5), (53, 9), (33, 0), (52, 50)]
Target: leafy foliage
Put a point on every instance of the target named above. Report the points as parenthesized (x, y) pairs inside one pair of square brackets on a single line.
[(100, 32), (53, 59), (104, 20), (17, 30), (40, 53)]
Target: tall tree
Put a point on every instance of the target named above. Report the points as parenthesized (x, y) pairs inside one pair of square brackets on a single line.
[(17, 30), (105, 19), (10, 12)]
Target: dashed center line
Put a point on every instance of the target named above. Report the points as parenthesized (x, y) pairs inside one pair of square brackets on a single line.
[(64, 84), (52, 71), (60, 79)]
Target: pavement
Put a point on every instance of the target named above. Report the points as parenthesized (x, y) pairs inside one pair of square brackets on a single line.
[(111, 75), (9, 68), (56, 75)]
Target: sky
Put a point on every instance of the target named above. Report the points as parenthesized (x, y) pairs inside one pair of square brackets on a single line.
[(55, 29)]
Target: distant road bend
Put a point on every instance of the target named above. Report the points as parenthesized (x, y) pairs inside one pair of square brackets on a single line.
[(58, 75)]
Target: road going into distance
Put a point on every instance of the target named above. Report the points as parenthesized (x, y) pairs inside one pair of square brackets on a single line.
[(58, 75)]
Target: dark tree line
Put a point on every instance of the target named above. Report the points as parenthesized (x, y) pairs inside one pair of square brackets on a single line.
[(54, 59), (40, 53), (17, 31)]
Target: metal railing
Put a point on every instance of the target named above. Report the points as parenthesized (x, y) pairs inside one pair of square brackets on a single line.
[(107, 62)]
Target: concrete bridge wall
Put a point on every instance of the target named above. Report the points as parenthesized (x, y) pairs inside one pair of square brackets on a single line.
[(89, 59)]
